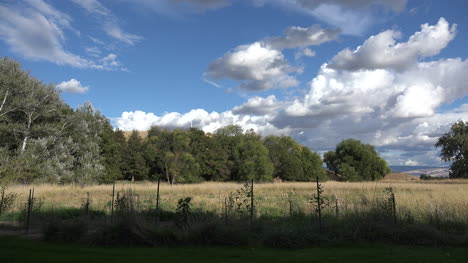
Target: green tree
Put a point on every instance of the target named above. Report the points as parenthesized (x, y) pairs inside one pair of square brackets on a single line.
[(227, 140), (356, 161), (33, 124), (292, 161), (135, 167), (209, 155), (247, 156), (254, 162), (168, 153), (85, 127), (29, 109), (454, 148), (113, 146), (312, 166), (285, 155)]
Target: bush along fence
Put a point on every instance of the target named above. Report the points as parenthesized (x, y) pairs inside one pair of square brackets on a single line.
[(133, 219)]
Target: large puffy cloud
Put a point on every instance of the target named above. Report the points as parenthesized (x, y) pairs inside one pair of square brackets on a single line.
[(258, 106), (261, 65), (382, 51), (397, 110), (199, 118)]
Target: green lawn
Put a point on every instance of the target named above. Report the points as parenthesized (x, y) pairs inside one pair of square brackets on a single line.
[(14, 249)]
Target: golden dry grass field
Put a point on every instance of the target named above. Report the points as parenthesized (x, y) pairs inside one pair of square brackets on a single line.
[(422, 199)]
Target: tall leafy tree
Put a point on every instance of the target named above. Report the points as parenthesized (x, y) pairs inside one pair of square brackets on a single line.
[(247, 157), (29, 109), (311, 165), (252, 159), (454, 148), (292, 161), (113, 146), (227, 140), (356, 161), (169, 155), (286, 155), (135, 167), (209, 155), (86, 125)]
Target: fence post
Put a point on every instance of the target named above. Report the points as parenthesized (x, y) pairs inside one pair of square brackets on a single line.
[(290, 208), (252, 201), (336, 206), (319, 205), (28, 213), (394, 208), (226, 210), (112, 202), (1, 201), (87, 204), (157, 200)]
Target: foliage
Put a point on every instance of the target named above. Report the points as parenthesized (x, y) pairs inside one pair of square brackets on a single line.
[(168, 153), (240, 200), (134, 167), (454, 148), (318, 201), (356, 161), (292, 161), (6, 200), (183, 210), (424, 177)]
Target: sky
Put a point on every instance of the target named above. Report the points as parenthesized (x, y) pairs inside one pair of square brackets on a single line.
[(391, 73)]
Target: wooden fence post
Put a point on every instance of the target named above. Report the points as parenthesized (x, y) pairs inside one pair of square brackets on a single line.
[(87, 204), (112, 202), (394, 208), (1, 200), (28, 212), (226, 210), (252, 201), (336, 206), (319, 205), (157, 200), (290, 208)]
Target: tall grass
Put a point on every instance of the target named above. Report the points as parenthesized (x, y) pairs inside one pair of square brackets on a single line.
[(447, 199)]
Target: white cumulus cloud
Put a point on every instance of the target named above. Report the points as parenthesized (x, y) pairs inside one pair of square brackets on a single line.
[(72, 86), (382, 52), (260, 66)]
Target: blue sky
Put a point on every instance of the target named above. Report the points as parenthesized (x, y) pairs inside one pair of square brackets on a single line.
[(278, 66)]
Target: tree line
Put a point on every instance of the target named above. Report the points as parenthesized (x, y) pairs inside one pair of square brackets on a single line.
[(43, 140)]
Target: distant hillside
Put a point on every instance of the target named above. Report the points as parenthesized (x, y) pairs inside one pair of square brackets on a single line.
[(400, 177), (403, 168), (418, 170), (142, 134), (435, 172)]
